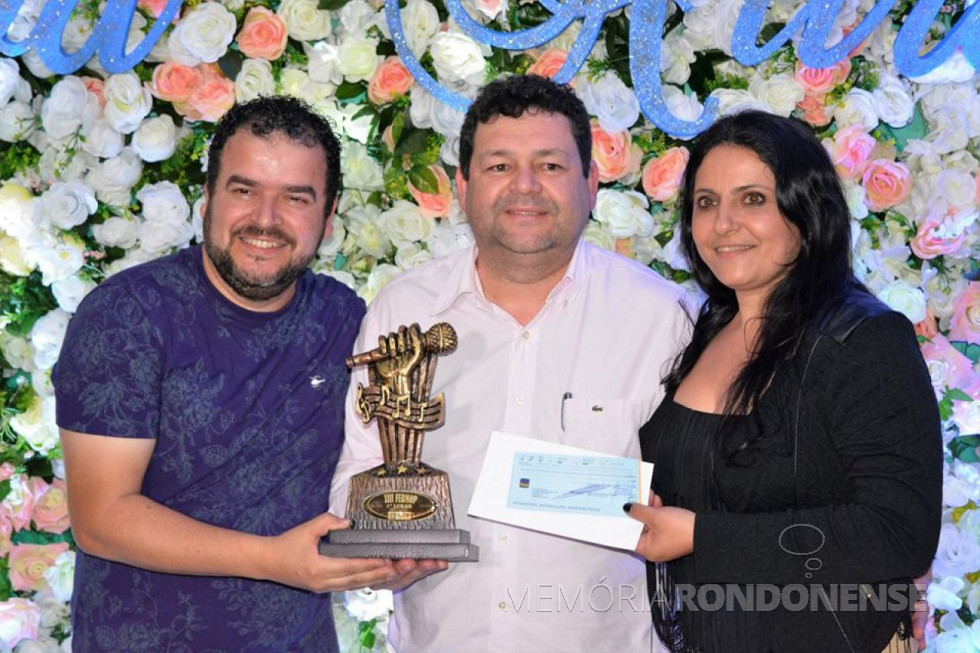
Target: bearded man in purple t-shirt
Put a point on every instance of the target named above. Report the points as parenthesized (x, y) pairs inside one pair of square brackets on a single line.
[(200, 400)]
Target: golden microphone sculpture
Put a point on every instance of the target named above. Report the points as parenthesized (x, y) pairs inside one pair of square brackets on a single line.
[(402, 508)]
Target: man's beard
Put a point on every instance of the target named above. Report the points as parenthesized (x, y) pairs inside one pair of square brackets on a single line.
[(256, 288)]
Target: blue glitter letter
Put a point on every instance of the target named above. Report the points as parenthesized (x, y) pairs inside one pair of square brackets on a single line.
[(965, 34)]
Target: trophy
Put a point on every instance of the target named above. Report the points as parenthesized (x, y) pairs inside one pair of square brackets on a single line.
[(402, 508)]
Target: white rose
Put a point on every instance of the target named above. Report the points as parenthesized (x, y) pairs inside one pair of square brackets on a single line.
[(322, 63), (957, 553), (676, 57), (114, 178), (57, 163), (420, 23), (38, 430), (59, 259), (46, 337), (955, 69), (37, 67), (489, 9), (115, 232), (64, 110), (599, 235), (358, 58), (958, 188), (102, 140), (609, 100), (410, 255), (371, 238), (133, 257), (892, 100), (378, 279), (368, 604), (458, 58), (12, 258), (404, 223), (203, 34), (159, 237), (854, 195), (9, 79), (67, 204), (446, 120), (780, 93), (448, 237), (297, 83), (156, 138), (857, 107), (906, 299), (732, 101), (70, 292), (254, 80), (17, 351), (16, 121), (330, 246), (674, 253), (18, 210), (624, 212), (646, 249), (127, 100), (164, 202), (361, 170), (685, 107), (712, 24), (949, 130), (357, 16), (422, 107), (61, 576), (347, 119), (449, 150), (304, 20)]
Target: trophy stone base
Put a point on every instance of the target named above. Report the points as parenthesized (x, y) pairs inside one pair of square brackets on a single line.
[(402, 513)]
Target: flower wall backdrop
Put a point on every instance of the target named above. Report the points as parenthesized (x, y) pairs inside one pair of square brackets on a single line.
[(99, 172)]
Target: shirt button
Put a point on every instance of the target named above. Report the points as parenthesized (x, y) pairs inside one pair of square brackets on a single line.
[(502, 605), (519, 401), (526, 335)]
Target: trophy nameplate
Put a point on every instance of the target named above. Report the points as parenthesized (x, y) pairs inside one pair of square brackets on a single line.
[(402, 508)]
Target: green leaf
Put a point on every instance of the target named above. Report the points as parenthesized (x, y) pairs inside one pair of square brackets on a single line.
[(397, 128), (969, 349), (414, 142), (366, 636), (423, 179), (4, 489), (331, 5), (351, 93), (231, 63)]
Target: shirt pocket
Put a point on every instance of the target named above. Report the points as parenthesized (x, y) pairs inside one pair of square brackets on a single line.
[(607, 425)]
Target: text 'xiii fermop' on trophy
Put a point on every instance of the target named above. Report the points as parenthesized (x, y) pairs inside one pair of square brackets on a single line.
[(402, 508)]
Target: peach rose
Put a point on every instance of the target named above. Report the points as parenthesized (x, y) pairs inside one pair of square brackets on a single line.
[(927, 328), (851, 150), (434, 205), (96, 87), (388, 138), (931, 240), (624, 247), (51, 509), (948, 368), (28, 562), (154, 7), (965, 324), (263, 35), (814, 109), (174, 82), (548, 63), (211, 99), (662, 176), (820, 81), (886, 183), (391, 81), (614, 154)]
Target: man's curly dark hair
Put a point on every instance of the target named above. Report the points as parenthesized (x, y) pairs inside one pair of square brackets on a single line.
[(281, 115), (512, 97)]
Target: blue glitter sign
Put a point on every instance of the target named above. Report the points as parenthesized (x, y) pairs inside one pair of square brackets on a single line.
[(814, 22)]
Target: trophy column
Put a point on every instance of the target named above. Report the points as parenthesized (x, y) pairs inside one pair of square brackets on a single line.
[(402, 508)]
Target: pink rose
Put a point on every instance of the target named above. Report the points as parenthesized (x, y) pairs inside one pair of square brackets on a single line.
[(948, 368), (820, 81), (211, 99), (22, 619), (886, 183), (174, 82), (6, 530), (662, 176), (965, 324), (434, 205), (851, 150), (19, 502), (96, 87), (814, 109), (548, 63), (263, 35), (154, 7), (28, 562), (614, 154), (931, 240), (391, 81), (7, 470), (51, 509)]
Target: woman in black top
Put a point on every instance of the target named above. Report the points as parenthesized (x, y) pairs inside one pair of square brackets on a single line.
[(798, 453)]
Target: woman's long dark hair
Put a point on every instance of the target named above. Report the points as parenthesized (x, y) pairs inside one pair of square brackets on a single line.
[(809, 196)]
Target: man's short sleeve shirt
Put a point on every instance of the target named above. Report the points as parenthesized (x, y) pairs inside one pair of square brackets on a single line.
[(247, 412)]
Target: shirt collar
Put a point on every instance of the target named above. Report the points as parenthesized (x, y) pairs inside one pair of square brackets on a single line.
[(462, 278)]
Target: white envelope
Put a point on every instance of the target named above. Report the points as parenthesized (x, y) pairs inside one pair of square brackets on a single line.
[(490, 498)]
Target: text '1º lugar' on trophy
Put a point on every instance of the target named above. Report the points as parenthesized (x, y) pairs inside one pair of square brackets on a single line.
[(402, 508)]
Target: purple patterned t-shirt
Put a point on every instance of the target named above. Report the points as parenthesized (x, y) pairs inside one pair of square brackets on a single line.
[(247, 410)]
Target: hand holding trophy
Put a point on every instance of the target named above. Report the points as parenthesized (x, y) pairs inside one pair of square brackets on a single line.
[(402, 508)]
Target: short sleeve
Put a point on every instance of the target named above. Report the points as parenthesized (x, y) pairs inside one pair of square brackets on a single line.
[(108, 376)]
